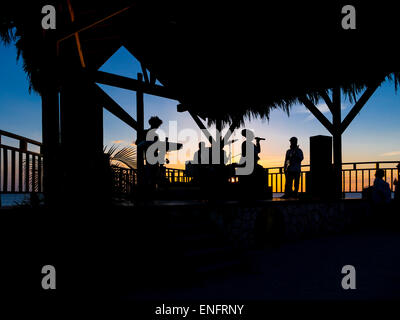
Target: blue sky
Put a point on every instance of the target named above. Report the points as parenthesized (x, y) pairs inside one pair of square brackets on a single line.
[(374, 135)]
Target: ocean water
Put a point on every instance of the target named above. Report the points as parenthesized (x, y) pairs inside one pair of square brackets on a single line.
[(356, 195), (15, 199), (348, 195)]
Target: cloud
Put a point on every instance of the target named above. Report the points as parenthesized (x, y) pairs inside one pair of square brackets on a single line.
[(390, 154), (323, 107), (118, 141)]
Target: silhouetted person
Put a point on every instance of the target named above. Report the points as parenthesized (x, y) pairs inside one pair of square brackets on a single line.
[(292, 168), (216, 155), (252, 177), (199, 167), (214, 173), (152, 172), (250, 151), (381, 192), (155, 123)]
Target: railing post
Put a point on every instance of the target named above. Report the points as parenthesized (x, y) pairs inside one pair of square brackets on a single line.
[(140, 131), (5, 170), (337, 141), (23, 145), (49, 75)]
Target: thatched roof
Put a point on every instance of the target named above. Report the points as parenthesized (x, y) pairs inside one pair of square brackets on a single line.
[(237, 59)]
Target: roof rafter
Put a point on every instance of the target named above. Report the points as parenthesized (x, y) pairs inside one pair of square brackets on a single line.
[(318, 114), (359, 105), (132, 84), (109, 104)]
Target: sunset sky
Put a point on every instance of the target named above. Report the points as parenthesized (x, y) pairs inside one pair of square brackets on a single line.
[(373, 136)]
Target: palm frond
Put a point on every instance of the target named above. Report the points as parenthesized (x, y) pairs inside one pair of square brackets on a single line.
[(125, 155)]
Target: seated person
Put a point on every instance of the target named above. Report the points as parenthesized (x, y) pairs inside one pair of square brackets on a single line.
[(381, 192), (206, 156)]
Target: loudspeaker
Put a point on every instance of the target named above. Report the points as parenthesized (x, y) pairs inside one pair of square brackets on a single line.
[(321, 169)]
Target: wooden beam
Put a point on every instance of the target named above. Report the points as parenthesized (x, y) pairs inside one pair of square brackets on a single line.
[(337, 141), (81, 118), (181, 107), (80, 26), (327, 99), (202, 126), (76, 34), (232, 127), (140, 111), (140, 132), (132, 84), (17, 137), (50, 148), (359, 105), (318, 114), (220, 143), (110, 105), (153, 78), (144, 72)]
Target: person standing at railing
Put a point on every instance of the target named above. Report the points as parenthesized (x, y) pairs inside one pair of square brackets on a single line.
[(143, 144), (397, 185), (152, 172), (292, 169)]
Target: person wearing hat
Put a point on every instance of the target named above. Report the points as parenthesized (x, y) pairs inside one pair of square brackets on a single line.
[(292, 168)]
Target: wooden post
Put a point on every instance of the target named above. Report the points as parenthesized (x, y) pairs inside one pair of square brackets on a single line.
[(220, 143), (0, 169), (50, 123), (23, 145), (140, 129), (202, 127), (83, 161), (337, 141)]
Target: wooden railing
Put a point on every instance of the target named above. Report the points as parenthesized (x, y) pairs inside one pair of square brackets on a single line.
[(359, 175), (21, 170), (123, 180), (177, 175), (276, 178), (355, 176)]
